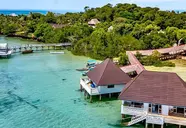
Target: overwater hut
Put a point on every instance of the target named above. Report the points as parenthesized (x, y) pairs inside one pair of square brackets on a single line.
[(157, 97), (105, 78), (4, 51), (93, 22)]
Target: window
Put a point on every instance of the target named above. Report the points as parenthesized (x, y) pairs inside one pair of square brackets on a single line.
[(110, 86), (128, 103), (138, 105)]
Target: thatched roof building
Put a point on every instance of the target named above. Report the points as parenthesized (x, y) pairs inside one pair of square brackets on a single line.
[(93, 22)]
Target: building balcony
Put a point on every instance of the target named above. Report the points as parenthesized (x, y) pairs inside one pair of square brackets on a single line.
[(152, 118), (126, 110), (85, 83)]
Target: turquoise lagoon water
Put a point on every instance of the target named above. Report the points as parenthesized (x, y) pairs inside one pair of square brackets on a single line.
[(40, 90)]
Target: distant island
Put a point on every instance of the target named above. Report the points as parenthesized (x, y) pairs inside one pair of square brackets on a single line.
[(102, 32)]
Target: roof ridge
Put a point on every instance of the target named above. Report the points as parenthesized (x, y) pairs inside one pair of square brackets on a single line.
[(126, 88), (181, 80), (103, 71)]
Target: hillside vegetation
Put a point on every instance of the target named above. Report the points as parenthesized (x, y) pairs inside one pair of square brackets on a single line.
[(134, 28)]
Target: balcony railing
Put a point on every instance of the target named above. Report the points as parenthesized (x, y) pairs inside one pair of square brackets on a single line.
[(88, 88), (132, 110)]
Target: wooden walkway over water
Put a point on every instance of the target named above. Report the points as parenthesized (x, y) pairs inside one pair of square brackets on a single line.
[(38, 47)]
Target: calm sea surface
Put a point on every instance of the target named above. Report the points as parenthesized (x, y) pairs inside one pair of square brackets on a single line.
[(26, 12), (33, 93)]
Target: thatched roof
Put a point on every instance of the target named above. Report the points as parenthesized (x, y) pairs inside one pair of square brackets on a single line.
[(93, 22)]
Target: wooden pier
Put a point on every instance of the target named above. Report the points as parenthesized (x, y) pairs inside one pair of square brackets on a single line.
[(39, 47)]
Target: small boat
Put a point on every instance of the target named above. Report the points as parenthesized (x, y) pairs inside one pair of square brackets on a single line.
[(27, 51), (57, 52), (84, 73), (82, 69)]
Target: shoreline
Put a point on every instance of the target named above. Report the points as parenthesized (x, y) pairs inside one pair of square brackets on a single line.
[(21, 37)]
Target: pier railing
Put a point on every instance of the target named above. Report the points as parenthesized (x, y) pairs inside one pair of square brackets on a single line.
[(90, 90), (19, 48)]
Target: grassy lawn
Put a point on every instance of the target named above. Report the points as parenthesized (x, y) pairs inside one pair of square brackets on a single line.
[(180, 68)]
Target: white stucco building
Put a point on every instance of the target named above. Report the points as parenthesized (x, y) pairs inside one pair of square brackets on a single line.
[(157, 97), (105, 78)]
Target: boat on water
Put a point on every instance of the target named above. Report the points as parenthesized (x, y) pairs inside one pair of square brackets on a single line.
[(89, 66), (83, 69), (4, 51), (84, 73), (27, 51), (57, 52)]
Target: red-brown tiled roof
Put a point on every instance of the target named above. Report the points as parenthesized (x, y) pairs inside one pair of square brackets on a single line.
[(107, 73), (171, 50), (135, 64), (129, 68), (157, 88)]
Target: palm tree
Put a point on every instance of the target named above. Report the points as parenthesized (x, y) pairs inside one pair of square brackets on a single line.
[(86, 8)]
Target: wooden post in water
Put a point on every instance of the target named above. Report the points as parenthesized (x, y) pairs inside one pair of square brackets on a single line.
[(152, 125), (87, 95), (84, 92), (90, 98), (100, 97), (110, 95), (123, 116), (81, 88), (146, 125)]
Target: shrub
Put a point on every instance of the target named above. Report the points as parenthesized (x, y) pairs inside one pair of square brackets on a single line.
[(164, 63)]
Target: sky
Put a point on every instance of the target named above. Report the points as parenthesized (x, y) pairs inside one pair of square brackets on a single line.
[(80, 4)]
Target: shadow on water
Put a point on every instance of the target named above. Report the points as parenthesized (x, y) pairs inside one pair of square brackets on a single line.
[(6, 103), (20, 99), (118, 124)]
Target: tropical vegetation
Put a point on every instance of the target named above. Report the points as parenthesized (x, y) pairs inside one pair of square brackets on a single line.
[(133, 28)]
